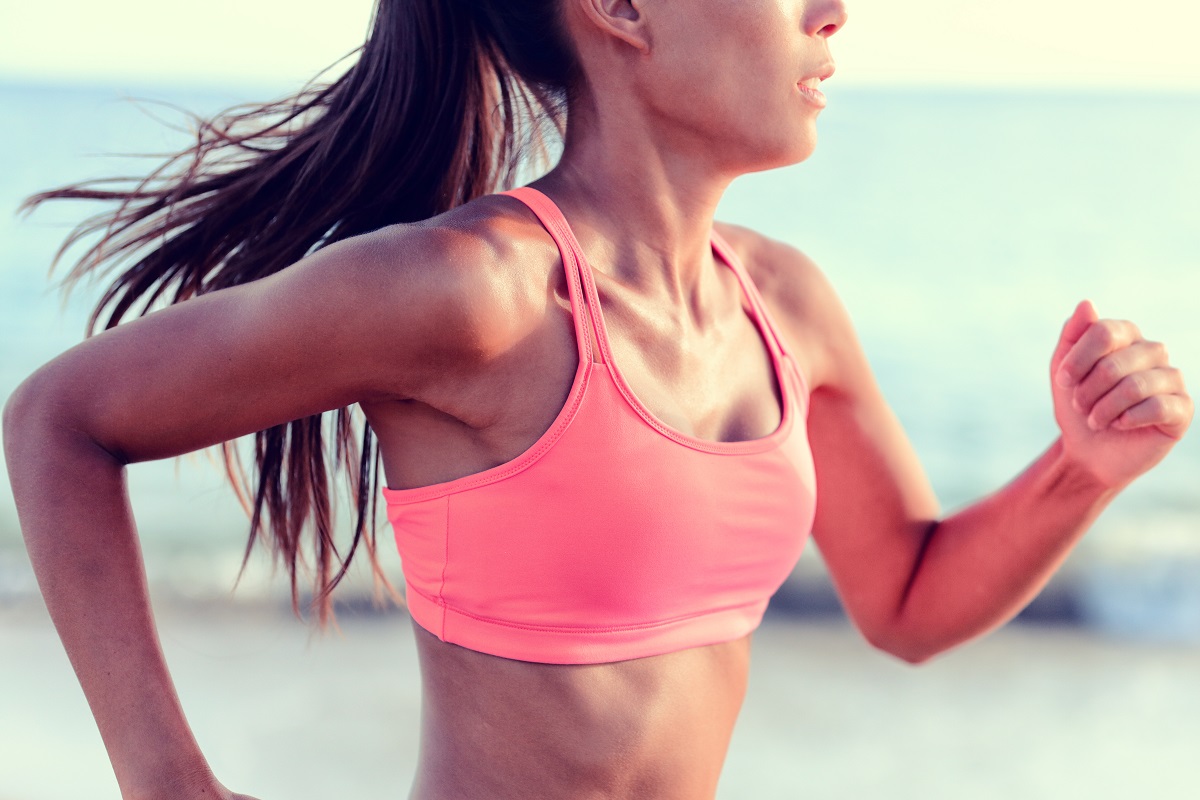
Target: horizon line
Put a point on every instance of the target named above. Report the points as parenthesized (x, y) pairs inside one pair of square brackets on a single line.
[(276, 87)]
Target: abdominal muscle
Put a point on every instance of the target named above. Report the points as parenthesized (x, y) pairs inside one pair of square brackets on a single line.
[(655, 727)]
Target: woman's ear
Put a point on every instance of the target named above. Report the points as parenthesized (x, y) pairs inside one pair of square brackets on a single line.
[(622, 19)]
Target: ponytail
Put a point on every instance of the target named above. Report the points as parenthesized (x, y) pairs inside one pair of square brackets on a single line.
[(447, 101)]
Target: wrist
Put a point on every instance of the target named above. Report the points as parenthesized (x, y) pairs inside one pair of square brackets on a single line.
[(1073, 477), (191, 783)]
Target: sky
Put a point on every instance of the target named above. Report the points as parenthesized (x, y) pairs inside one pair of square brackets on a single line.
[(1094, 44)]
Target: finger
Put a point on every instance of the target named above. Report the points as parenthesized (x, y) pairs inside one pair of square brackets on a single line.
[(1115, 367), (1101, 338), (1132, 390), (1170, 413), (1075, 326)]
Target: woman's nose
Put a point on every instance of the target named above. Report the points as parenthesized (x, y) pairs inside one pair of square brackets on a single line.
[(826, 17)]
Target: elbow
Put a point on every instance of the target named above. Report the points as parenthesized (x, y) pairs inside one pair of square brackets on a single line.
[(31, 402), (19, 409), (34, 416), (907, 648), (914, 657), (24, 411)]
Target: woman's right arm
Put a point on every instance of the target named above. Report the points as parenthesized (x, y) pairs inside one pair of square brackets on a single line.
[(381, 315)]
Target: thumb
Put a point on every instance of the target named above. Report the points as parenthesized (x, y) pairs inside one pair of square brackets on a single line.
[(1074, 328)]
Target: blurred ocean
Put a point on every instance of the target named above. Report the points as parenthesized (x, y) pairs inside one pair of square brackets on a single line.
[(960, 229)]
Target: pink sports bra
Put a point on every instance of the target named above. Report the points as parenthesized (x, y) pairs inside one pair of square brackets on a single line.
[(613, 536)]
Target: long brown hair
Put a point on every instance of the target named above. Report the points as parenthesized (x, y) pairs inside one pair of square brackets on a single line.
[(446, 101)]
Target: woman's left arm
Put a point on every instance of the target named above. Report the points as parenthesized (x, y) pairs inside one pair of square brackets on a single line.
[(916, 585)]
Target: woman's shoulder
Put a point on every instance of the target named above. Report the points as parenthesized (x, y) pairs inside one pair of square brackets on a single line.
[(799, 296), (470, 244), (778, 269), (479, 236), (479, 261)]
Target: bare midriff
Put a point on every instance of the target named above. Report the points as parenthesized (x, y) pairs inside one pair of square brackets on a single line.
[(497, 729)]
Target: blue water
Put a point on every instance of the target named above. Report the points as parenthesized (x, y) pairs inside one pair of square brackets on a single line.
[(959, 228)]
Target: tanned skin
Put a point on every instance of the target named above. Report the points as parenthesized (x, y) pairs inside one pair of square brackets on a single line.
[(454, 336)]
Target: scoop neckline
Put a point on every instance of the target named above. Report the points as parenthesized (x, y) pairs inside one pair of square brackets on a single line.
[(759, 444), (749, 307)]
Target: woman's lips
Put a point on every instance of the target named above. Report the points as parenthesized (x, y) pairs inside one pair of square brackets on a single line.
[(812, 94)]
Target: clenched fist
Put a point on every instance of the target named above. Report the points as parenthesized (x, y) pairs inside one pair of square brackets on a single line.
[(1120, 404)]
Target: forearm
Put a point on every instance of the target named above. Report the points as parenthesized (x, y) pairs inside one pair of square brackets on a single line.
[(75, 516), (980, 566)]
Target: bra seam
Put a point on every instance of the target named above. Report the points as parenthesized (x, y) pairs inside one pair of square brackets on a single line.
[(445, 564), (440, 601)]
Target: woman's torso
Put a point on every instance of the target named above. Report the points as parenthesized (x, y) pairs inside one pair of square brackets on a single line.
[(497, 729), (656, 726)]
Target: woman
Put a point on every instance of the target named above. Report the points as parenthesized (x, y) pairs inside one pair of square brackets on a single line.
[(603, 417)]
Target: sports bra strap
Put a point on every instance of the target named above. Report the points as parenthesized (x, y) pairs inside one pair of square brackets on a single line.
[(573, 264), (758, 305), (589, 326)]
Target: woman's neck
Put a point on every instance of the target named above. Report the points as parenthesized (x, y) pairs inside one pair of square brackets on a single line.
[(641, 208)]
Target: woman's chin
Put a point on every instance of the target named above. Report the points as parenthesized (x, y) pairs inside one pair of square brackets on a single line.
[(784, 153), (801, 150)]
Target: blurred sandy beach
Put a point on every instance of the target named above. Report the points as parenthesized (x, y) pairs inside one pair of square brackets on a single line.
[(1029, 712)]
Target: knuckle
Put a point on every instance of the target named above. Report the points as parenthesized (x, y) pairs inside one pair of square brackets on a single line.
[(1105, 335), (1156, 405), (1138, 386), (1104, 411), (1109, 369)]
